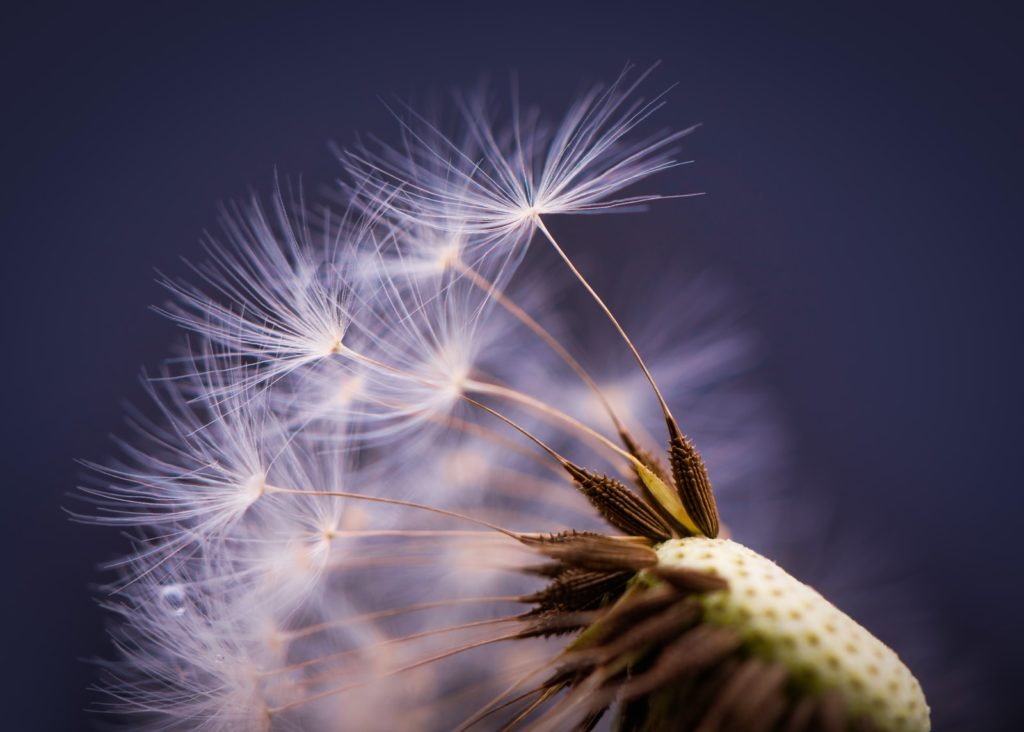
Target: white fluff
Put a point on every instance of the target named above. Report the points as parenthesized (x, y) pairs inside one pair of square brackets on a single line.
[(299, 562)]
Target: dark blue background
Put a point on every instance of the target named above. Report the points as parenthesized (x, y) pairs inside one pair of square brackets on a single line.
[(863, 171)]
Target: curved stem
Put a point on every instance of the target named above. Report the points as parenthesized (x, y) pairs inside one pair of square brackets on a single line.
[(544, 334), (547, 409), (392, 502), (521, 430), (597, 298), (392, 612), (483, 387)]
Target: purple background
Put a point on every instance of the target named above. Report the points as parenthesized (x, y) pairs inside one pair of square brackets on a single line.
[(863, 172)]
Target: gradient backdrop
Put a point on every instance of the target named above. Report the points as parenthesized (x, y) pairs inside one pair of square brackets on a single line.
[(863, 171)]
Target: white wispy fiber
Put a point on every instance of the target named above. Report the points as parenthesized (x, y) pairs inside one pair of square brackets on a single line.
[(493, 179), (274, 296), (324, 490)]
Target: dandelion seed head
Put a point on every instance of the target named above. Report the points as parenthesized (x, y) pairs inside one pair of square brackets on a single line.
[(392, 481)]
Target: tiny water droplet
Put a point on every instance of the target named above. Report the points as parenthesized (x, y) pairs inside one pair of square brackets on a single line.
[(173, 599)]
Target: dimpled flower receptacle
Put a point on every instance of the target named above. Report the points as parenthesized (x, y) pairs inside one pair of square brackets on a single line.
[(785, 621)]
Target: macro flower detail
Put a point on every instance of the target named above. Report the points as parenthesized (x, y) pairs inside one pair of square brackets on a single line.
[(391, 483)]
